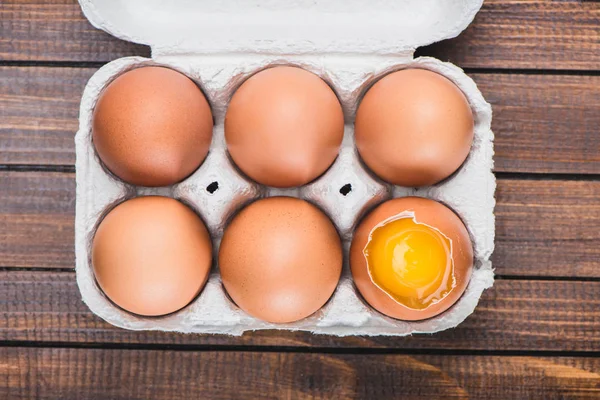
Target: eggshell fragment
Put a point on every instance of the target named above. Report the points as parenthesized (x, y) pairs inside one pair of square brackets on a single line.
[(433, 215), (414, 128), (151, 255), (152, 126), (280, 259), (284, 127)]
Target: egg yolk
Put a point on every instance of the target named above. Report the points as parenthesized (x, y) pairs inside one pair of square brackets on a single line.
[(411, 262)]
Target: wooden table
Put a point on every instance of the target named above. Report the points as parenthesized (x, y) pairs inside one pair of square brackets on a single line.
[(535, 334)]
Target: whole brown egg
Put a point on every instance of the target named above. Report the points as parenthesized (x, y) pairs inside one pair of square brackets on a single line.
[(414, 128), (284, 127), (280, 259), (151, 255), (152, 126), (411, 258)]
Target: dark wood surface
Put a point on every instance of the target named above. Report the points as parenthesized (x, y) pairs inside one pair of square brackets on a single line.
[(40, 106), (535, 234), (535, 334), (540, 34), (70, 373), (516, 314)]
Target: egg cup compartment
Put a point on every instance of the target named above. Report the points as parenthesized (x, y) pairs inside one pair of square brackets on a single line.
[(345, 192)]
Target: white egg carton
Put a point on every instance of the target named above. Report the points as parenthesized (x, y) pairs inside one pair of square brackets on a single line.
[(349, 43)]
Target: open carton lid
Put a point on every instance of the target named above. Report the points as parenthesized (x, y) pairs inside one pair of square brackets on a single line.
[(282, 27)]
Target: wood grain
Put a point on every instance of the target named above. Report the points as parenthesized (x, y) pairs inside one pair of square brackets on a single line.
[(56, 30), (533, 114), (141, 374), (37, 219), (505, 34), (39, 109), (544, 123), (543, 228), (528, 34), (547, 227), (514, 315)]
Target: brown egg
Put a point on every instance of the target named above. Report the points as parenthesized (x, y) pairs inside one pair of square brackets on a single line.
[(280, 259), (152, 126), (151, 255), (414, 128), (284, 127), (411, 269)]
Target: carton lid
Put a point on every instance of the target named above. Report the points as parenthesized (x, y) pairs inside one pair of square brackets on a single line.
[(282, 27)]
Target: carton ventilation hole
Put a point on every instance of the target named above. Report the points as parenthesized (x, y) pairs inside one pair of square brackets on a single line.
[(346, 189), (213, 187)]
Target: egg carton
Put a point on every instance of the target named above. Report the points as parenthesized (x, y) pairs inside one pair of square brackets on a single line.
[(350, 44)]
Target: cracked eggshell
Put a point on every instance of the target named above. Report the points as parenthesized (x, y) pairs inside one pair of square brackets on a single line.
[(423, 211), (218, 45), (470, 192)]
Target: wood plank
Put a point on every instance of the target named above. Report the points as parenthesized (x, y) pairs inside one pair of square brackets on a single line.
[(505, 34), (533, 114), (56, 30), (529, 34), (547, 228), (543, 228), (100, 373), (515, 315), (544, 123), (39, 110), (37, 214)]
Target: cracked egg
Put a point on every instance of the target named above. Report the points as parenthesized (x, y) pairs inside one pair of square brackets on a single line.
[(411, 258)]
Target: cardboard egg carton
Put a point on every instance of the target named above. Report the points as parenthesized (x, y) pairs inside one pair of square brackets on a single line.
[(350, 44)]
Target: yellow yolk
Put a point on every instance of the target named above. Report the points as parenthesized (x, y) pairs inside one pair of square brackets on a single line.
[(411, 262)]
